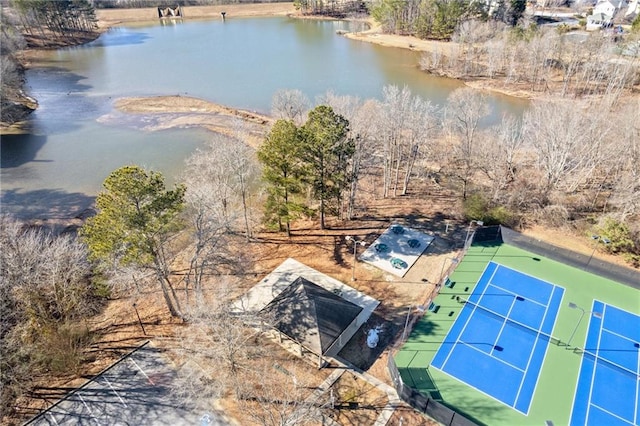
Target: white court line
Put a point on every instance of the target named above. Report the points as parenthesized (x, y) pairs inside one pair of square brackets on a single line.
[(637, 391), (506, 290), (88, 408), (535, 345), (497, 359), (618, 334), (114, 391), (475, 388), (502, 328), (582, 364), (465, 324), (53, 418), (595, 363), (612, 414), (499, 316), (597, 358), (528, 275), (145, 374), (485, 288), (606, 361)]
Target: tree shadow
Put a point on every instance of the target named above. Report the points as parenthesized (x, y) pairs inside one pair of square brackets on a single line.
[(16, 150), (46, 204), (358, 353), (117, 37)]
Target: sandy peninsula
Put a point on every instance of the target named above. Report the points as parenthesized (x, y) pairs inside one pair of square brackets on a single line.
[(163, 112)]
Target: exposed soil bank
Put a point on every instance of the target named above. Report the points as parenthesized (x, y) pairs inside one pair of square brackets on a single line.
[(110, 17), (165, 112)]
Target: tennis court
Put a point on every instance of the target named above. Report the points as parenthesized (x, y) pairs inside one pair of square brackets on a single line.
[(608, 390), (137, 390), (502, 331), (555, 396)]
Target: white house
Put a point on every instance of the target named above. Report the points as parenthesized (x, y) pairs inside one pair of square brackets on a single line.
[(602, 15), (598, 21), (634, 7), (605, 7)]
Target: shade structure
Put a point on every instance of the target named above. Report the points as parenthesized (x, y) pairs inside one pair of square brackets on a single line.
[(310, 315)]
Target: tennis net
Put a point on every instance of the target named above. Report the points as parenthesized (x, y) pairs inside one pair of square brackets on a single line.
[(620, 368), (517, 324)]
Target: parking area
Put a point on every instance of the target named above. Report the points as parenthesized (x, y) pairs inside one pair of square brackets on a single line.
[(137, 390)]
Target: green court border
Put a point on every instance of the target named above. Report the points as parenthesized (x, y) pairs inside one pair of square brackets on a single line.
[(555, 390)]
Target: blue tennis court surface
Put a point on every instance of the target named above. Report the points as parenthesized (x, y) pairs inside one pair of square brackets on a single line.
[(503, 331), (608, 391)]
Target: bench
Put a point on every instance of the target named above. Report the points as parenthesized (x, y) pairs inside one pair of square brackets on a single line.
[(448, 283), (433, 307)]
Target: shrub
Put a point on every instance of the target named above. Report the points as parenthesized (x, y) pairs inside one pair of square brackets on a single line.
[(553, 215), (62, 350), (635, 26), (476, 207), (618, 235), (632, 259)]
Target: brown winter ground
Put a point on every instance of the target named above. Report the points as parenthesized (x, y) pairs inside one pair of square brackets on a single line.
[(429, 208)]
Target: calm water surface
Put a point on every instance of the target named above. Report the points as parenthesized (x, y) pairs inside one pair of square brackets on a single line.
[(59, 167)]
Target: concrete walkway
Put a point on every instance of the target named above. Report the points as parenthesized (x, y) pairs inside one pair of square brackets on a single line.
[(393, 400), (324, 387), (344, 366)]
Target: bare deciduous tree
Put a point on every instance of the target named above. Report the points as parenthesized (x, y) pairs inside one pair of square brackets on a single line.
[(223, 353), (567, 145), (44, 292), (218, 181), (280, 399), (403, 131), (465, 110), (626, 159), (290, 105), (499, 155)]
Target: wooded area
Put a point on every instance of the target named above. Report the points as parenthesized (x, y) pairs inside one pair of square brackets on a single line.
[(438, 19), (563, 162), (63, 18), (552, 167), (540, 60), (572, 162)]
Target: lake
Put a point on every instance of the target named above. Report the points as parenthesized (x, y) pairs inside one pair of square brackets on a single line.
[(57, 169)]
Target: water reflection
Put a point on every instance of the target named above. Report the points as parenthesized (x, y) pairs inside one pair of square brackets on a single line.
[(119, 36), (240, 63)]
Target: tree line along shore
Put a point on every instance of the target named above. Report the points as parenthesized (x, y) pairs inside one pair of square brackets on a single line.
[(570, 165), (523, 61)]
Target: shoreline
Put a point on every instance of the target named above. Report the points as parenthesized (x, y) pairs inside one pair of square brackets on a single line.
[(108, 18), (112, 18), (178, 111)]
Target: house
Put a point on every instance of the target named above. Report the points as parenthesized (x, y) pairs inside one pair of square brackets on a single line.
[(605, 7), (602, 15), (633, 9), (598, 21)]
